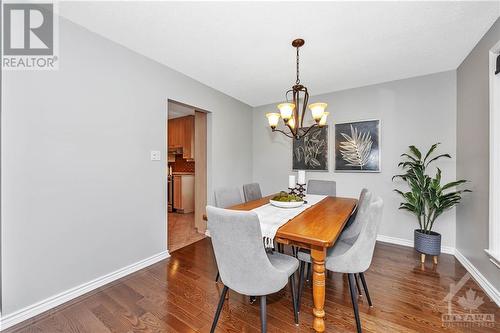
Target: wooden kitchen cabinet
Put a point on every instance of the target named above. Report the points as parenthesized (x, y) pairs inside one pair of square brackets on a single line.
[(184, 193), (181, 135), (175, 133), (188, 138)]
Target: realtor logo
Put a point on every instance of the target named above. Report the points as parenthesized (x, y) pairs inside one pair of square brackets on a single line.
[(470, 315), (29, 36)]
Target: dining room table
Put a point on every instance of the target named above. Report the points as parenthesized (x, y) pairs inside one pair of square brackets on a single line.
[(316, 229)]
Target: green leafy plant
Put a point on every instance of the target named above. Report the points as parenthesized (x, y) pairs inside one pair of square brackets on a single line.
[(427, 199)]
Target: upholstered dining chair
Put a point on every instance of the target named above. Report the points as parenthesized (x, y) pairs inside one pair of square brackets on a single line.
[(348, 235), (252, 192), (227, 196), (352, 229), (245, 266), (353, 258), (321, 187)]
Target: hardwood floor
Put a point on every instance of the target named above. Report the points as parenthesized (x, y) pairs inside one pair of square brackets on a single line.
[(179, 295), (181, 231)]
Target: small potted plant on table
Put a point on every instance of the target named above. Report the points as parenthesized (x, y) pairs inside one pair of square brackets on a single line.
[(427, 199)]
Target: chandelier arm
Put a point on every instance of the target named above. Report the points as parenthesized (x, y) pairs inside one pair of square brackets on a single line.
[(296, 100), (286, 95), (310, 128), (293, 131), (304, 106), (278, 130)]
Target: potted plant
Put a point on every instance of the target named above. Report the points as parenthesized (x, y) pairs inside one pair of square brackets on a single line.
[(427, 198)]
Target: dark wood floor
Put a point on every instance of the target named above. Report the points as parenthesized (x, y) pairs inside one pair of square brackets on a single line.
[(179, 295)]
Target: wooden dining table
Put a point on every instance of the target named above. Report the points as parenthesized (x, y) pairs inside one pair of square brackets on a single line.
[(316, 229)]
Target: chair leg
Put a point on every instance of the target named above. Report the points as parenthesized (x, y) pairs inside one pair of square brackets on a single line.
[(357, 285), (219, 309), (309, 271), (365, 287), (291, 280), (301, 284), (217, 277), (354, 301), (263, 314), (294, 251)]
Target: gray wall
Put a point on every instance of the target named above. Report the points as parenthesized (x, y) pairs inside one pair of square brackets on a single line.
[(80, 196), (473, 154), (418, 111)]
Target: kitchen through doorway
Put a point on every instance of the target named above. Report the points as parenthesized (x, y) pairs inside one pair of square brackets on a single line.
[(186, 174)]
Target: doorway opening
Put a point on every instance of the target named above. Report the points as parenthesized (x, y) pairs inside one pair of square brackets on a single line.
[(186, 174)]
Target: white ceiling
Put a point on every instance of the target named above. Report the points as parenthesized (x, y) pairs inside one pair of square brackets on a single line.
[(243, 48)]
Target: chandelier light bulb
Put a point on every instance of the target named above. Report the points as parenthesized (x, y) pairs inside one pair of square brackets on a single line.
[(291, 123), (317, 110), (273, 119), (286, 110)]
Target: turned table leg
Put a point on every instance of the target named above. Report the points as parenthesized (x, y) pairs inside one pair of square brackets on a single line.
[(318, 259)]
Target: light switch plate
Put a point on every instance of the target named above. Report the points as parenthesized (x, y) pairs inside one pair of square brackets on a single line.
[(155, 155)]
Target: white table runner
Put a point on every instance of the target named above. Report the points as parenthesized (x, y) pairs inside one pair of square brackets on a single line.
[(272, 218)]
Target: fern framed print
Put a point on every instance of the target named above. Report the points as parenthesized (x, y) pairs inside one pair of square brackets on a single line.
[(311, 151), (357, 146)]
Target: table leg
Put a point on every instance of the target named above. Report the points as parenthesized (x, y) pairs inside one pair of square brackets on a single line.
[(318, 258)]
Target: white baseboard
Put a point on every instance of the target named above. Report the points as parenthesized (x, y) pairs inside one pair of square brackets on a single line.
[(56, 300), (409, 243), (488, 288)]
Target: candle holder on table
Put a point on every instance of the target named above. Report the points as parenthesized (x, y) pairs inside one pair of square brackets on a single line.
[(300, 190), (292, 190)]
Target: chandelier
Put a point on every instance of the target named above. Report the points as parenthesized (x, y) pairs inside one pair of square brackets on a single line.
[(293, 112)]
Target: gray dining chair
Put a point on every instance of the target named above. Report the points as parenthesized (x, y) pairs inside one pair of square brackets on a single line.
[(352, 229), (252, 192), (322, 187), (227, 196), (350, 234), (245, 266), (353, 258)]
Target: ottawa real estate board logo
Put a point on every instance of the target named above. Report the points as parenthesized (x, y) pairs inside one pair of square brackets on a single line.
[(30, 35)]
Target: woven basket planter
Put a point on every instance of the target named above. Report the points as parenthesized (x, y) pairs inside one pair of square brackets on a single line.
[(427, 243)]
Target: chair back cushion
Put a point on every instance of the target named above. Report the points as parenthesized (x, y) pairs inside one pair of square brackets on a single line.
[(227, 196), (352, 228), (322, 187), (239, 251), (359, 256), (252, 192)]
